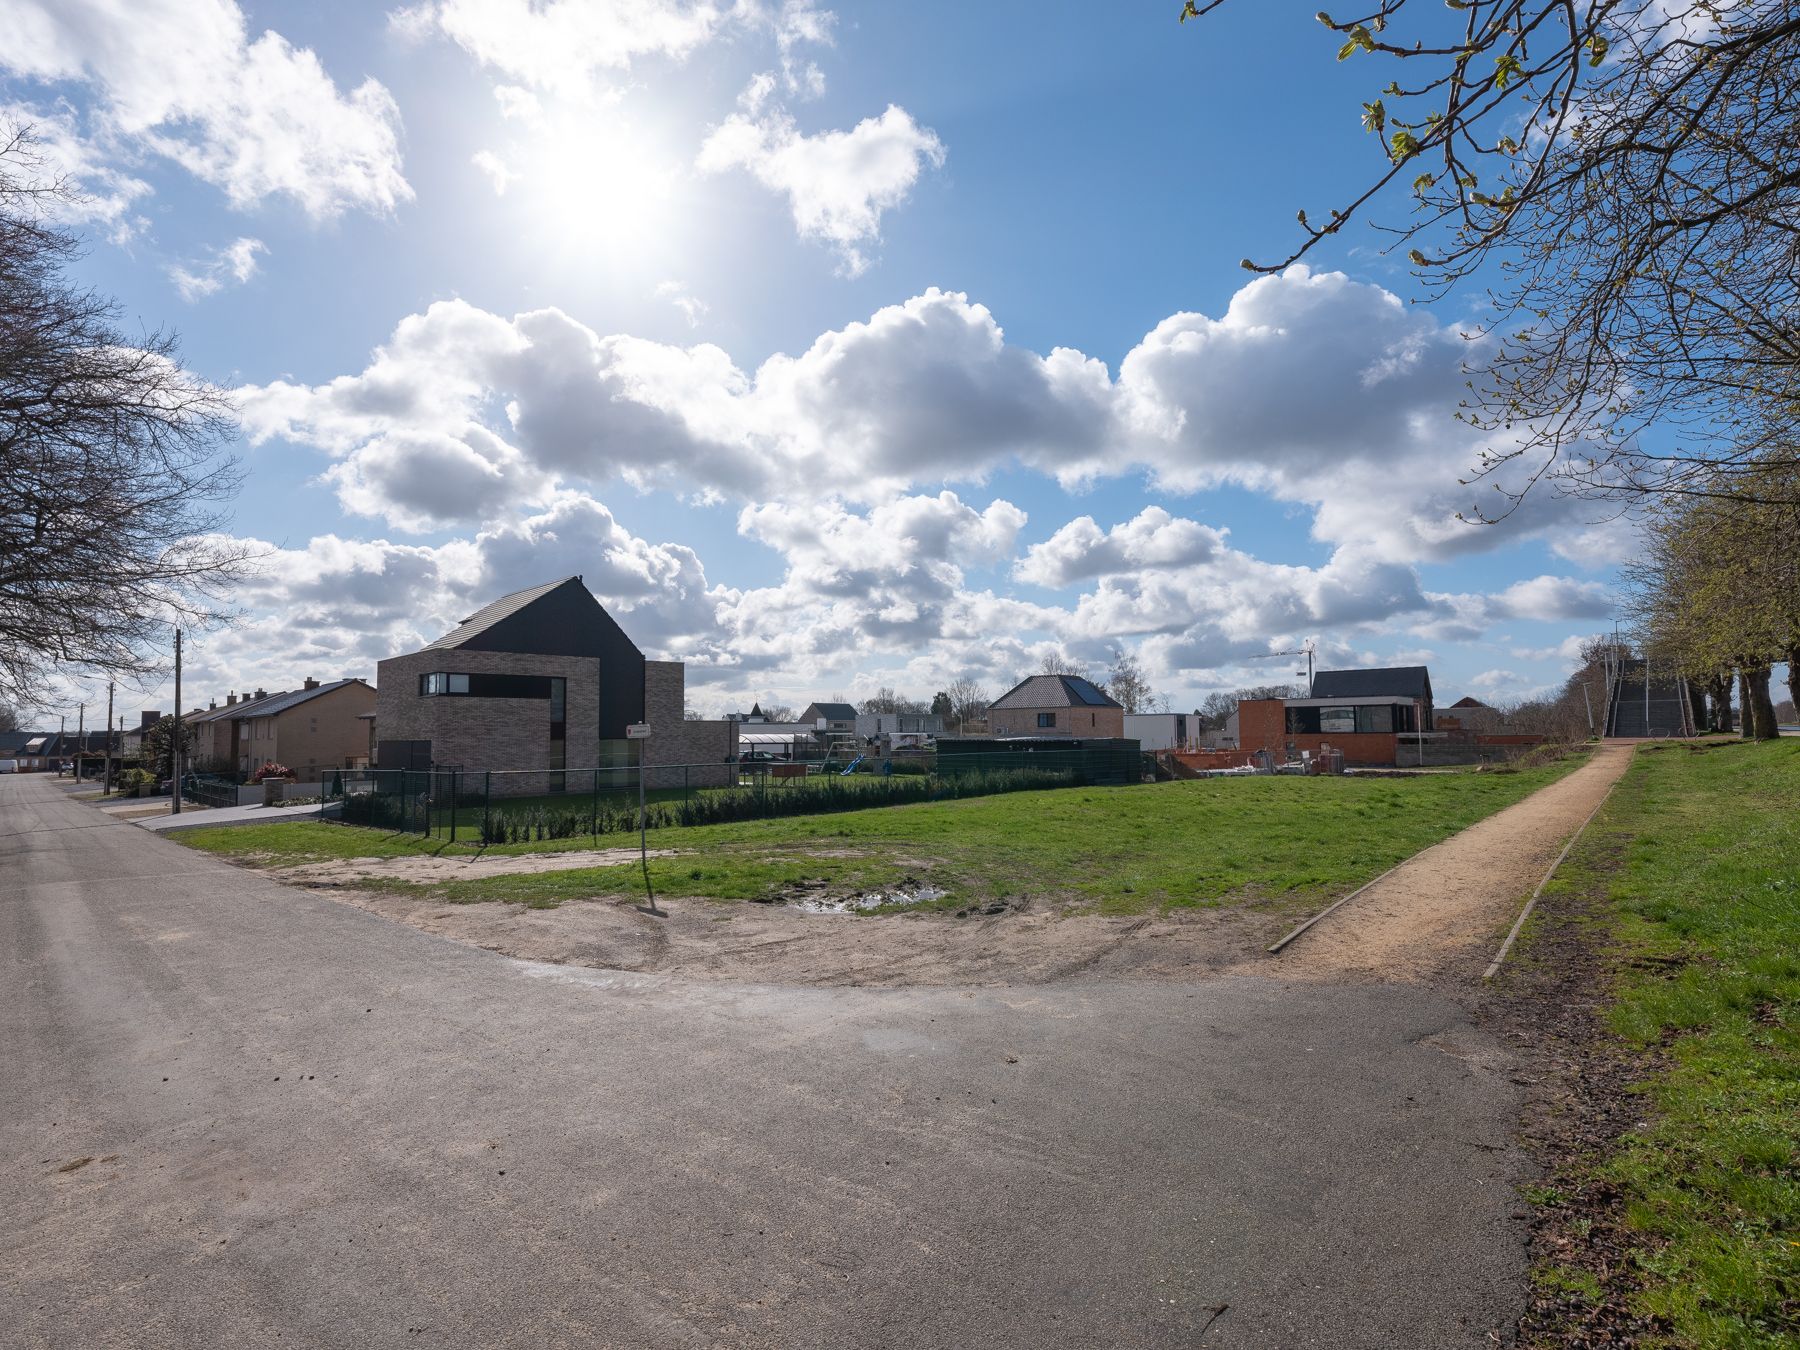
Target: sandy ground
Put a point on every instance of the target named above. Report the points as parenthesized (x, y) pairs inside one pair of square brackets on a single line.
[(1437, 918), (1445, 910), (425, 870)]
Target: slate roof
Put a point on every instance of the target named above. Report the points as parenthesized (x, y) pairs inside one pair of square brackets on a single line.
[(1373, 682), (11, 742), (835, 712), (1055, 691), (1469, 702), (280, 703), (489, 615)]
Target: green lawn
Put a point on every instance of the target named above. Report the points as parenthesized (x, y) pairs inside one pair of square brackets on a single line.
[(1698, 858), (1114, 850)]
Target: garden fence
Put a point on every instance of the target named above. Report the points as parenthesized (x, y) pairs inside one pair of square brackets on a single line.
[(481, 806)]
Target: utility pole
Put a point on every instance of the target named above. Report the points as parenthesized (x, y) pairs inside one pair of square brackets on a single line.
[(80, 737), (175, 738), (62, 735), (106, 785)]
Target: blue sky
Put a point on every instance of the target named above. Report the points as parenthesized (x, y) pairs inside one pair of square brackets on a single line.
[(834, 348)]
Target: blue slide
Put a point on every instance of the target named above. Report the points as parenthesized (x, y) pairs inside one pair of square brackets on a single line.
[(851, 768)]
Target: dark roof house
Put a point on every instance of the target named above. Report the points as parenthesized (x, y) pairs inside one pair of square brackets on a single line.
[(1409, 682), (831, 712), (1055, 691)]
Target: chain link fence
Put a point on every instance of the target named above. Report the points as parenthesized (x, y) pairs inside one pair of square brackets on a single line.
[(522, 806)]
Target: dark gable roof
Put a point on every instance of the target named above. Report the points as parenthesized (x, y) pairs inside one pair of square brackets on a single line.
[(488, 615), (1054, 691), (559, 618), (834, 712), (1375, 682), (11, 742), (1470, 702), (280, 703)]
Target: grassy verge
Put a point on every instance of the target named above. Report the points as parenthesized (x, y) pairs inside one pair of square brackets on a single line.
[(1697, 859), (1115, 850)]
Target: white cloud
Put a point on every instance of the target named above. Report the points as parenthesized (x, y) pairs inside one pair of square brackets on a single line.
[(1080, 550), (184, 79), (1548, 598), (692, 307), (105, 195), (235, 263), (563, 45), (1312, 390), (499, 175), (837, 183)]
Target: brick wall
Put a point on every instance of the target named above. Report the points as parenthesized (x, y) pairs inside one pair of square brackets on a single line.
[(1069, 722), (324, 732), (1262, 725), (480, 734), (702, 748)]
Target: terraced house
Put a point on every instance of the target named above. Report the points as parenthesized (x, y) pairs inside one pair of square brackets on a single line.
[(538, 689)]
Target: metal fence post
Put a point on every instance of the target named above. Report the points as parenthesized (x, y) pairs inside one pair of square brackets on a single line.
[(487, 802), (455, 776), (594, 805)]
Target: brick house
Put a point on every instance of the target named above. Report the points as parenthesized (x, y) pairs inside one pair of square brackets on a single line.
[(1365, 713), (1056, 705), (538, 687)]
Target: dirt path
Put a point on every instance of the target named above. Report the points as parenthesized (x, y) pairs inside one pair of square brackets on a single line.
[(1438, 916), (1444, 911), (458, 867)]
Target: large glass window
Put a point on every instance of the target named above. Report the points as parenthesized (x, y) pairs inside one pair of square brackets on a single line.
[(1337, 720), (1375, 717)]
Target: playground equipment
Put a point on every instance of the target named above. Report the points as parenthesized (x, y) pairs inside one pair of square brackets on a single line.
[(851, 767)]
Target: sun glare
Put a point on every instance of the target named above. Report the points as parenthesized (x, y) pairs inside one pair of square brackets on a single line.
[(599, 183)]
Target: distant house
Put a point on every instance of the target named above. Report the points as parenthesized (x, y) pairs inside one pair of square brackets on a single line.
[(541, 682), (1056, 705), (838, 717), (1365, 713), (897, 729), (1164, 730)]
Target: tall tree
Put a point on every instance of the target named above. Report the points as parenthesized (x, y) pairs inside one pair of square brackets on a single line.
[(1055, 663), (968, 701), (1625, 175), (112, 459), (941, 705), (1128, 684)]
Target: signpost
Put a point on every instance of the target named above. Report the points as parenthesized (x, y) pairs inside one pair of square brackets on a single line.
[(640, 731)]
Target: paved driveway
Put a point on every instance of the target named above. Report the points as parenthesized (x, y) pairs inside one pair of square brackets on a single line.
[(308, 1126)]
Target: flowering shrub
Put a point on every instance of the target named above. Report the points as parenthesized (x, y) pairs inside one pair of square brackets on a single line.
[(271, 769)]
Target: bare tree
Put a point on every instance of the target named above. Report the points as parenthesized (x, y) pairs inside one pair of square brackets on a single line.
[(1628, 172), (968, 700), (1058, 664), (1128, 684), (112, 459)]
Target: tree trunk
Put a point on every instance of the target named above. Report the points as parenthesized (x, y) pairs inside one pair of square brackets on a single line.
[(1718, 691), (1766, 730), (1696, 698), (1793, 679), (1746, 714)]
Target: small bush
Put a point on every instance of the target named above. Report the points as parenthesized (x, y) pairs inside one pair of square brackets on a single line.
[(270, 769)]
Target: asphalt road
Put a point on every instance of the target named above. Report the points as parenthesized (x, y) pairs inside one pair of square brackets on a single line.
[(310, 1126)]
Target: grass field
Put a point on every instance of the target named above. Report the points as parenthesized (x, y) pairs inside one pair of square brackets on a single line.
[(1698, 858), (1113, 850)]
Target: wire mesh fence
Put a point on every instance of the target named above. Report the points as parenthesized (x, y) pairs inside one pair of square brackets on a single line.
[(486, 807)]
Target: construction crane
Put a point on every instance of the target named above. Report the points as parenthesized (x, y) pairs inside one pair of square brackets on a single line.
[(1306, 649)]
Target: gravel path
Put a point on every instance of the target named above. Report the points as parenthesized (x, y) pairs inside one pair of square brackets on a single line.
[(1445, 910)]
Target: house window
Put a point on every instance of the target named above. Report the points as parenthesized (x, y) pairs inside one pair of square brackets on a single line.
[(559, 732), (441, 683), (1046, 719)]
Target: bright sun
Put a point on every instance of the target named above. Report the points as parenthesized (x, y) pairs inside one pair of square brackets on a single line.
[(599, 183)]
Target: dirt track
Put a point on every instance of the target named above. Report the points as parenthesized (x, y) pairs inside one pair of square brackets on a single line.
[(1447, 908), (1437, 917)]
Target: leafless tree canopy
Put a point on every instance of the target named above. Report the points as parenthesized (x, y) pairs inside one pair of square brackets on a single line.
[(110, 461), (1628, 172)]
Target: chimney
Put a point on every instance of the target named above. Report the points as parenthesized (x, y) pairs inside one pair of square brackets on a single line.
[(309, 683), (231, 699), (148, 719), (211, 703), (259, 694)]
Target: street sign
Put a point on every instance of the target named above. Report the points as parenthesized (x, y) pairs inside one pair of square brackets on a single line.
[(638, 731)]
